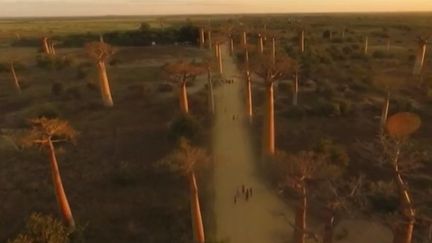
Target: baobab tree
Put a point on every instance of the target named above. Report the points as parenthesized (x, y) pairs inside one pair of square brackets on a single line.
[(46, 46), (399, 127), (44, 134), (185, 160), (421, 53), (296, 86), (15, 77), (201, 36), (181, 72), (100, 52), (299, 170), (217, 43), (301, 37), (270, 73), (389, 86), (366, 45), (211, 102)]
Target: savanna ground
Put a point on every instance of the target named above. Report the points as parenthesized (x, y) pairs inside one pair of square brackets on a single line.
[(114, 187)]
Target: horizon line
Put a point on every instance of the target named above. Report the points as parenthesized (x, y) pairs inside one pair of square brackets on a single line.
[(216, 13)]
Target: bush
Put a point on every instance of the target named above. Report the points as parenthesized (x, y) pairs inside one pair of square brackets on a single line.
[(73, 93), (53, 62), (43, 229), (185, 126), (335, 153), (165, 87)]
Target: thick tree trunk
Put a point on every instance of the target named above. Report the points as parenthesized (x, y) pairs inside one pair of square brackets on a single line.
[(249, 95), (302, 41), (247, 58), (15, 78), (197, 222), (300, 220), (104, 85), (202, 38), (220, 61), (183, 98), (366, 45), (45, 46), (209, 39), (404, 230), (58, 186), (296, 90), (216, 51), (274, 50), (231, 46), (421, 53), (244, 38), (269, 142), (211, 94), (261, 43), (384, 112), (52, 48)]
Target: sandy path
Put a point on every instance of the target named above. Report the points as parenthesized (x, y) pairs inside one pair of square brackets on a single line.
[(260, 219)]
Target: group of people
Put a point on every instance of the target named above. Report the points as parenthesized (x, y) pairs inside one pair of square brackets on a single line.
[(243, 193)]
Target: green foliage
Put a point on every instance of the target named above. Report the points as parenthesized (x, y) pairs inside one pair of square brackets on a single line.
[(185, 126), (333, 152), (43, 229)]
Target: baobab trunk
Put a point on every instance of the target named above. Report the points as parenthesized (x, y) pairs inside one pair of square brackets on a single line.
[(45, 46), (104, 85), (244, 38), (197, 222), (366, 45), (302, 41), (421, 53), (261, 44), (384, 113), (231, 46), (269, 142), (220, 62), (404, 230), (58, 186), (300, 220), (211, 94), (247, 57), (52, 48), (249, 95), (296, 89), (15, 78), (202, 38), (209, 39), (216, 51), (274, 50), (183, 99)]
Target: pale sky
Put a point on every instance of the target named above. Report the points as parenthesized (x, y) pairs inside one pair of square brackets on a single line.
[(10, 8)]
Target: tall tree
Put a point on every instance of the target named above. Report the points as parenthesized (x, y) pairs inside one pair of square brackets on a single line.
[(301, 38), (15, 77), (270, 73), (420, 56), (299, 171), (100, 52), (45, 133), (181, 72), (366, 45), (399, 127), (185, 160)]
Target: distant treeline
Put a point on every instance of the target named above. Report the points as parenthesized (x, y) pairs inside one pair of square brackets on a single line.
[(186, 34)]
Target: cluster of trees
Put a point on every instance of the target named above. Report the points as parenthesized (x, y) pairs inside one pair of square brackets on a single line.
[(144, 36)]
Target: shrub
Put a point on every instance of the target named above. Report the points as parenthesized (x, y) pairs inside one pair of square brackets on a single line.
[(43, 229), (165, 87), (185, 126), (335, 153), (73, 92)]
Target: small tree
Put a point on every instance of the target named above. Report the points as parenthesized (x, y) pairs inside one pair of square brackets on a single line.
[(44, 134), (15, 77), (181, 72), (185, 160), (270, 73), (100, 52)]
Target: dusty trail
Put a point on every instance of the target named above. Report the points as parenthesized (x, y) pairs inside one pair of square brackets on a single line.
[(261, 219)]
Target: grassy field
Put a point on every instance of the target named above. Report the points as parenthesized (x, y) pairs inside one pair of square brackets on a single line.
[(110, 176)]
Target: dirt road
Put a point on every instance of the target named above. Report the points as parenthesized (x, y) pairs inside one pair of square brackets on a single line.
[(261, 218)]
